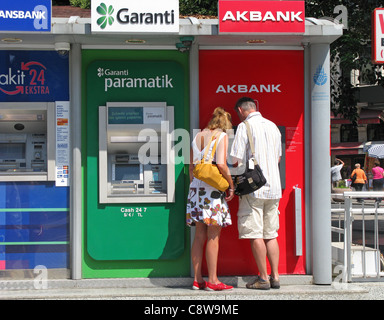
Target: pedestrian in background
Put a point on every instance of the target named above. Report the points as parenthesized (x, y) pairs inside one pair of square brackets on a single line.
[(335, 172), (378, 178), (360, 180)]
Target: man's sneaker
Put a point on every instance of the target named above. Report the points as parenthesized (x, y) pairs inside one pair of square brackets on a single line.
[(259, 283), (217, 287), (275, 284)]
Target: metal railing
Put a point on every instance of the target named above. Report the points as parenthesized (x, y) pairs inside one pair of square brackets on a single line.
[(358, 254)]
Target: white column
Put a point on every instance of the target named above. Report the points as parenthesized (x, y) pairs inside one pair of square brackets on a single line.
[(194, 108), (320, 164), (75, 167)]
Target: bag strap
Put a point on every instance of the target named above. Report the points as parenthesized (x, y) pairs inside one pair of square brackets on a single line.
[(250, 138), (207, 149)]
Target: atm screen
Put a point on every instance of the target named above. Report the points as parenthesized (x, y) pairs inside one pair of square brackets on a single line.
[(127, 172), (12, 151)]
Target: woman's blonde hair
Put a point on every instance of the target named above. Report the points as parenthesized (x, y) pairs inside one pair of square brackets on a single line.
[(221, 119)]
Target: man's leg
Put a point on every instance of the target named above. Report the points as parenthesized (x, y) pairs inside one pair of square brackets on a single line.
[(250, 225), (259, 251), (273, 254)]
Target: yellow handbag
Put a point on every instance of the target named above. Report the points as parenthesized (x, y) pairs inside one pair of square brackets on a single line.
[(208, 172)]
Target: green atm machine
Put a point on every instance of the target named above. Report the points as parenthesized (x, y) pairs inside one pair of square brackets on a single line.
[(136, 183), (135, 180)]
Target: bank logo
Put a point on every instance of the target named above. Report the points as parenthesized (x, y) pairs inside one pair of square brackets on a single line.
[(134, 16), (320, 77), (106, 15), (29, 79), (100, 72)]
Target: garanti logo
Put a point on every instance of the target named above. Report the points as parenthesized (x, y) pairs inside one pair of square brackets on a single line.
[(135, 16), (100, 72), (117, 79), (106, 15)]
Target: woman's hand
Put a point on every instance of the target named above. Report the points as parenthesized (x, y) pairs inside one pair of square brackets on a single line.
[(230, 195)]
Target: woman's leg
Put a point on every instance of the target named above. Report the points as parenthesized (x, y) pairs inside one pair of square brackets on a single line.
[(197, 250), (359, 187), (212, 252), (378, 186)]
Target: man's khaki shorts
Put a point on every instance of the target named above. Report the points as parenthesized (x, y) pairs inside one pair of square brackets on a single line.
[(258, 218)]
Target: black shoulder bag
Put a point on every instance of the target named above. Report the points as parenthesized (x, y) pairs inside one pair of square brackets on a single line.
[(252, 179)]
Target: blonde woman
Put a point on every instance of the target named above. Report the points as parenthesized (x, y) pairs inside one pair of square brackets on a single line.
[(207, 207)]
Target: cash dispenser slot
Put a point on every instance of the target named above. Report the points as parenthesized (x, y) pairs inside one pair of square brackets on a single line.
[(127, 174), (27, 135)]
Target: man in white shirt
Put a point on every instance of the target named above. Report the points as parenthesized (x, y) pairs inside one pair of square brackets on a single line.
[(258, 215), (335, 172)]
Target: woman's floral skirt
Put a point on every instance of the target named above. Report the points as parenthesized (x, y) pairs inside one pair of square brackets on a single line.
[(207, 204)]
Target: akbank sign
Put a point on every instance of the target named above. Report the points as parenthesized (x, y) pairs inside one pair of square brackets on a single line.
[(261, 16), (21, 15), (135, 16)]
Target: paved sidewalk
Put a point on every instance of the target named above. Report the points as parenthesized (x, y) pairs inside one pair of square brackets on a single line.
[(292, 288), (290, 292)]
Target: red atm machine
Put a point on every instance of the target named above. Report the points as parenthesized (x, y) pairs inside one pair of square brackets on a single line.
[(276, 79)]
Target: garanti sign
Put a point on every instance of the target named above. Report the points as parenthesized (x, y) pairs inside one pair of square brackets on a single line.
[(261, 16), (135, 16)]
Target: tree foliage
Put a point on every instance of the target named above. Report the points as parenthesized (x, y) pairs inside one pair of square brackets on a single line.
[(198, 7), (84, 4), (350, 52)]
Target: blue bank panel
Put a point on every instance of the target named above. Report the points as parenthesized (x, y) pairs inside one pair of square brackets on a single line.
[(34, 225)]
